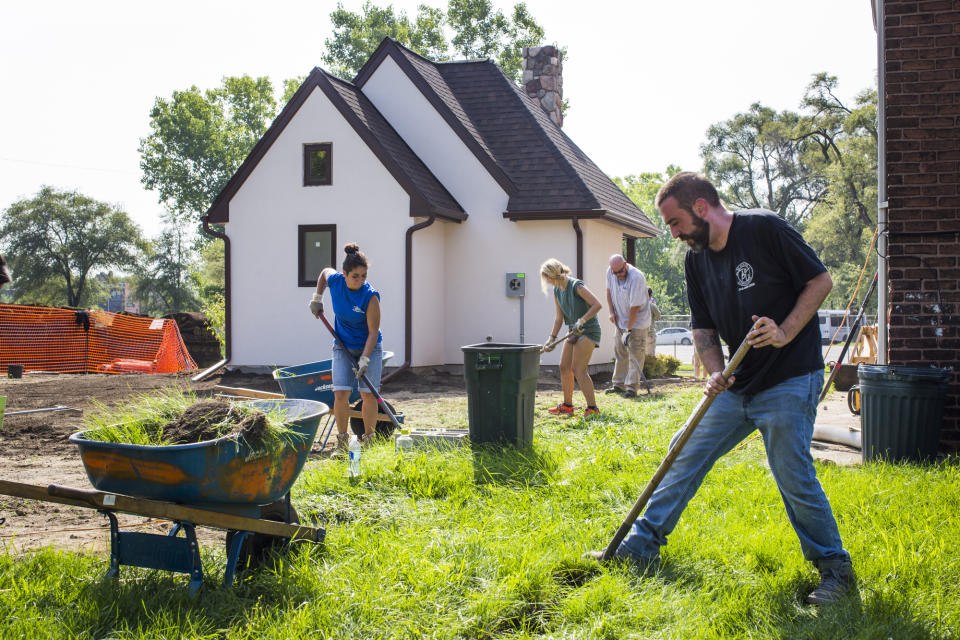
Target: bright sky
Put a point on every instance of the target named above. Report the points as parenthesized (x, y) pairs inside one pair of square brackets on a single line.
[(644, 79)]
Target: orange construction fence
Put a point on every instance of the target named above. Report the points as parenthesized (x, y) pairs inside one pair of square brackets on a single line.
[(89, 341)]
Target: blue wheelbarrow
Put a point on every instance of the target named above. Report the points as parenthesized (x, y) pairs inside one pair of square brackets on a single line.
[(314, 381), (220, 483)]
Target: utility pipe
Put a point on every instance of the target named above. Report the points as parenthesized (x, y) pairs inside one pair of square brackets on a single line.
[(210, 231), (408, 299)]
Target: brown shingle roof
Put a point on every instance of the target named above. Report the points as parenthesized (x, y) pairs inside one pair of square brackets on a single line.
[(547, 175), (428, 196)]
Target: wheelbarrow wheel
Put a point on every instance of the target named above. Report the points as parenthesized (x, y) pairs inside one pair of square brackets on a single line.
[(259, 548), (384, 427)]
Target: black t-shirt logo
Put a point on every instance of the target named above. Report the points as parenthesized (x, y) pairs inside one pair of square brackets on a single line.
[(744, 276)]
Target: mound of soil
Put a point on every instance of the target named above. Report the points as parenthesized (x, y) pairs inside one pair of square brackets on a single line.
[(200, 422)]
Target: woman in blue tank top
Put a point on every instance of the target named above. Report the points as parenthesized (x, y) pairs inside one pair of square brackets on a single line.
[(356, 306)]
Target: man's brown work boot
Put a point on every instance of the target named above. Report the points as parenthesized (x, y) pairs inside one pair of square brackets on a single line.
[(836, 580)]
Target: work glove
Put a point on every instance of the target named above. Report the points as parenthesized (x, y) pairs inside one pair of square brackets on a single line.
[(626, 338), (316, 305), (362, 363), (577, 328), (547, 347)]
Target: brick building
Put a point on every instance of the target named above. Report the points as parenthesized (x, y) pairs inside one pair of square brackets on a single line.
[(920, 99)]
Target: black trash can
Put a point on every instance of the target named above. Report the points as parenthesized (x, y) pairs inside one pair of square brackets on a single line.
[(501, 390), (901, 409)]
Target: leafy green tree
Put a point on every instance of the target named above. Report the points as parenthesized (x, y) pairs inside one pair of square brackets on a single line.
[(198, 140), (660, 258), (845, 151), (57, 240), (478, 31), (164, 284), (482, 32), (357, 35), (757, 160), (207, 273)]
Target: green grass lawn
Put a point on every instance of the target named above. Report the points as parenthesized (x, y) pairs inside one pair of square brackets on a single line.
[(487, 545)]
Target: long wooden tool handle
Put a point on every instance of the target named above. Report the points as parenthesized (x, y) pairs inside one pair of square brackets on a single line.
[(661, 471), (249, 393), (366, 381), (850, 336), (556, 341)]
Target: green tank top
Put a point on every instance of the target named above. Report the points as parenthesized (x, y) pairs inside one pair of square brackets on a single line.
[(573, 307)]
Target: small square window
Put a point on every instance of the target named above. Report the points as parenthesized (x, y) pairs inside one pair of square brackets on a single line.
[(317, 164), (316, 243)]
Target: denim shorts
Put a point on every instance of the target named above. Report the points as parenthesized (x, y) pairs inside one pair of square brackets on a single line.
[(344, 377)]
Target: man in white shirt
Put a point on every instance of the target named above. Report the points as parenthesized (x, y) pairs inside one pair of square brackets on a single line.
[(629, 305)]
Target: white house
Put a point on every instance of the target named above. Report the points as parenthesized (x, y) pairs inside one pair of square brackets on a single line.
[(449, 176)]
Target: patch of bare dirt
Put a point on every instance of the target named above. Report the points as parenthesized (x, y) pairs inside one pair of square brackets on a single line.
[(35, 448)]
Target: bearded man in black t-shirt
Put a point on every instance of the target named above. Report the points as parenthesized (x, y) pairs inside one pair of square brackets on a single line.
[(750, 276)]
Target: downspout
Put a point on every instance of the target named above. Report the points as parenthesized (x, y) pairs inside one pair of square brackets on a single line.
[(882, 217), (579, 232), (408, 299), (207, 229)]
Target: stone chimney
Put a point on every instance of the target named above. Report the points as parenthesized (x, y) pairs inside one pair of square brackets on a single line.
[(543, 79)]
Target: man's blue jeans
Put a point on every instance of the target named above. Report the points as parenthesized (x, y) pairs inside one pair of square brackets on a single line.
[(784, 415)]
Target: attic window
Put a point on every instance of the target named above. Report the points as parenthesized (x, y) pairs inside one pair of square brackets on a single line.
[(315, 249), (317, 164)]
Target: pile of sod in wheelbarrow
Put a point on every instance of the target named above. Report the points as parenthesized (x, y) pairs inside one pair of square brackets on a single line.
[(172, 416)]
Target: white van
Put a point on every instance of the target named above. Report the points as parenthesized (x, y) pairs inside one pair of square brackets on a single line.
[(830, 328)]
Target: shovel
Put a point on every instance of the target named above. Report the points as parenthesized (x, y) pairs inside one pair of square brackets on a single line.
[(356, 365), (661, 471), (557, 341)]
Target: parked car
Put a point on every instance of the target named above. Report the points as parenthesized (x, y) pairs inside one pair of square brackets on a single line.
[(674, 335)]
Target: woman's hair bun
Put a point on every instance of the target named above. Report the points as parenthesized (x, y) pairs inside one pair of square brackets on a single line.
[(351, 248)]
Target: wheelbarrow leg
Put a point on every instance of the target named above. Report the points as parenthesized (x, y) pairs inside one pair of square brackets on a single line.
[(233, 556), (152, 551), (328, 425)]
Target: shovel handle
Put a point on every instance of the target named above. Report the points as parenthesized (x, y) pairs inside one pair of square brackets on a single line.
[(661, 471), (363, 378), (556, 341)]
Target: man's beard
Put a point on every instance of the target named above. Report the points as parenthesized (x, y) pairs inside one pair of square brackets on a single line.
[(699, 239)]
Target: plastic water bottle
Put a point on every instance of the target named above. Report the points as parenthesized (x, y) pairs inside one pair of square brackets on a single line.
[(354, 449), (404, 442)]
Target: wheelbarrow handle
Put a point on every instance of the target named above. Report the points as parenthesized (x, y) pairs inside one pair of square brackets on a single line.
[(366, 381)]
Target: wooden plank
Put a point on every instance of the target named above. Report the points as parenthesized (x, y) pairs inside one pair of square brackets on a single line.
[(381, 417), (249, 393), (156, 509)]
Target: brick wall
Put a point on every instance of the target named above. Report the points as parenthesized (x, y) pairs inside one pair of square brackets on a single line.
[(922, 75)]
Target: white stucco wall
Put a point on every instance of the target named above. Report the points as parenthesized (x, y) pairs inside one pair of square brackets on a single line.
[(478, 253), (429, 293), (271, 324)]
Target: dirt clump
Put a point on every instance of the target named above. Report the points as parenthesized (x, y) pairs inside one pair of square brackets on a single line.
[(253, 428), (200, 421)]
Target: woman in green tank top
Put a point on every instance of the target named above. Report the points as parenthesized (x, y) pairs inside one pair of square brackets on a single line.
[(577, 307)]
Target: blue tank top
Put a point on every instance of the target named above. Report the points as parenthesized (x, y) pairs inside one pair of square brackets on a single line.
[(350, 309)]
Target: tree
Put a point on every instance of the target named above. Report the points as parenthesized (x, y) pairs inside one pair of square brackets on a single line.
[(478, 32), (845, 151), (357, 35), (660, 258), (57, 239), (198, 140), (164, 284), (757, 160)]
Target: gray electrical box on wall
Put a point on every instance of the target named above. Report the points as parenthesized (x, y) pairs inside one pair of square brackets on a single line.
[(516, 285)]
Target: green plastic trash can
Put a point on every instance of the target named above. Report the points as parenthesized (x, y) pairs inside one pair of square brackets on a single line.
[(901, 409), (501, 390)]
